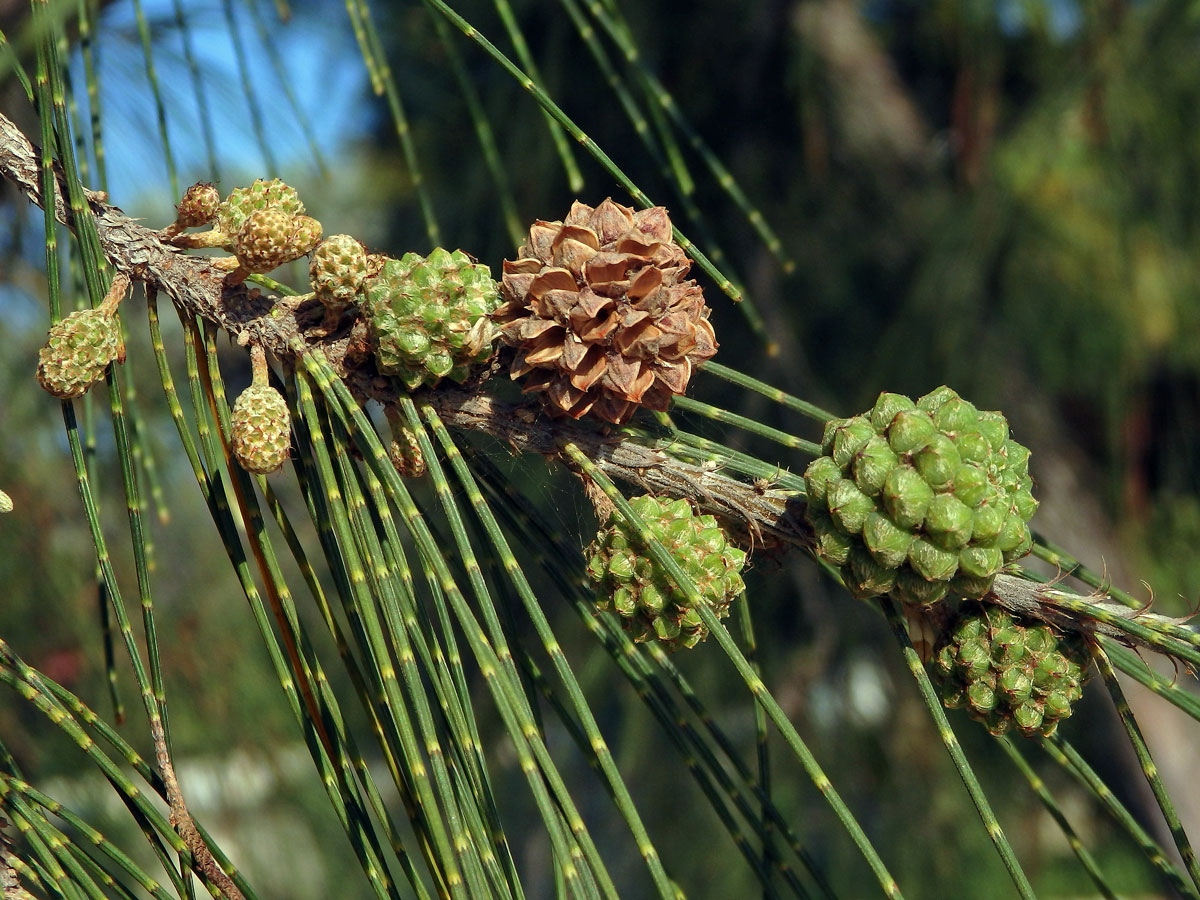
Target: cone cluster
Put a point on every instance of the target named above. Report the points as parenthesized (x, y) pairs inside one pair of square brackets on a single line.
[(601, 313), (650, 605), (262, 225), (1012, 674), (428, 317), (920, 499)]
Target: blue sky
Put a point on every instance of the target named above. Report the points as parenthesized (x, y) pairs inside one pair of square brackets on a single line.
[(316, 50), (319, 57)]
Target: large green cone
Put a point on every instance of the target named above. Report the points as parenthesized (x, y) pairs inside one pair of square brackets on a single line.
[(918, 500)]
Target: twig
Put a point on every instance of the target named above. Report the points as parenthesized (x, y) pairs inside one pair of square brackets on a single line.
[(181, 819), (195, 285), (10, 885)]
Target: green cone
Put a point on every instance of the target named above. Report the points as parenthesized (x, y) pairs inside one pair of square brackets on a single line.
[(650, 605), (428, 317), (934, 491), (1010, 673)]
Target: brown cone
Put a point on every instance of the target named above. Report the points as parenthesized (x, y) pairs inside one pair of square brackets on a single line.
[(601, 312)]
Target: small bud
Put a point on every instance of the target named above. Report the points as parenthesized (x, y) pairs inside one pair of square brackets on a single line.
[(973, 447), (994, 427), (914, 590), (197, 207), (931, 562), (949, 521)]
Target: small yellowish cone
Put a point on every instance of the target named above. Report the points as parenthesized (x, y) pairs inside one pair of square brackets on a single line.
[(268, 239), (244, 201), (261, 425), (198, 206), (80, 347), (337, 271)]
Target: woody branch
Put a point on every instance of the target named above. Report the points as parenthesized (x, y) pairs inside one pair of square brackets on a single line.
[(197, 285)]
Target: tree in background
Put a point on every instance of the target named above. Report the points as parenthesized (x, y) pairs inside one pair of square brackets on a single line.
[(491, 611)]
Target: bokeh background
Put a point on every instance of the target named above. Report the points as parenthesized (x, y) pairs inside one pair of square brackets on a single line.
[(1001, 196)]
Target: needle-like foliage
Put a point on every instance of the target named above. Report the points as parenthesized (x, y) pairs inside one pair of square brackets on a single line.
[(483, 708)]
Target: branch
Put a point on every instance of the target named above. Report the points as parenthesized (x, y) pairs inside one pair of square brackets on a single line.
[(196, 285), (181, 818)]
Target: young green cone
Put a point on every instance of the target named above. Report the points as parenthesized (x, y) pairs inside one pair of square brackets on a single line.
[(648, 602), (428, 317), (1010, 673)]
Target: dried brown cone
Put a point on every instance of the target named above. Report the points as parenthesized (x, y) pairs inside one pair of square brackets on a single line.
[(601, 313)]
